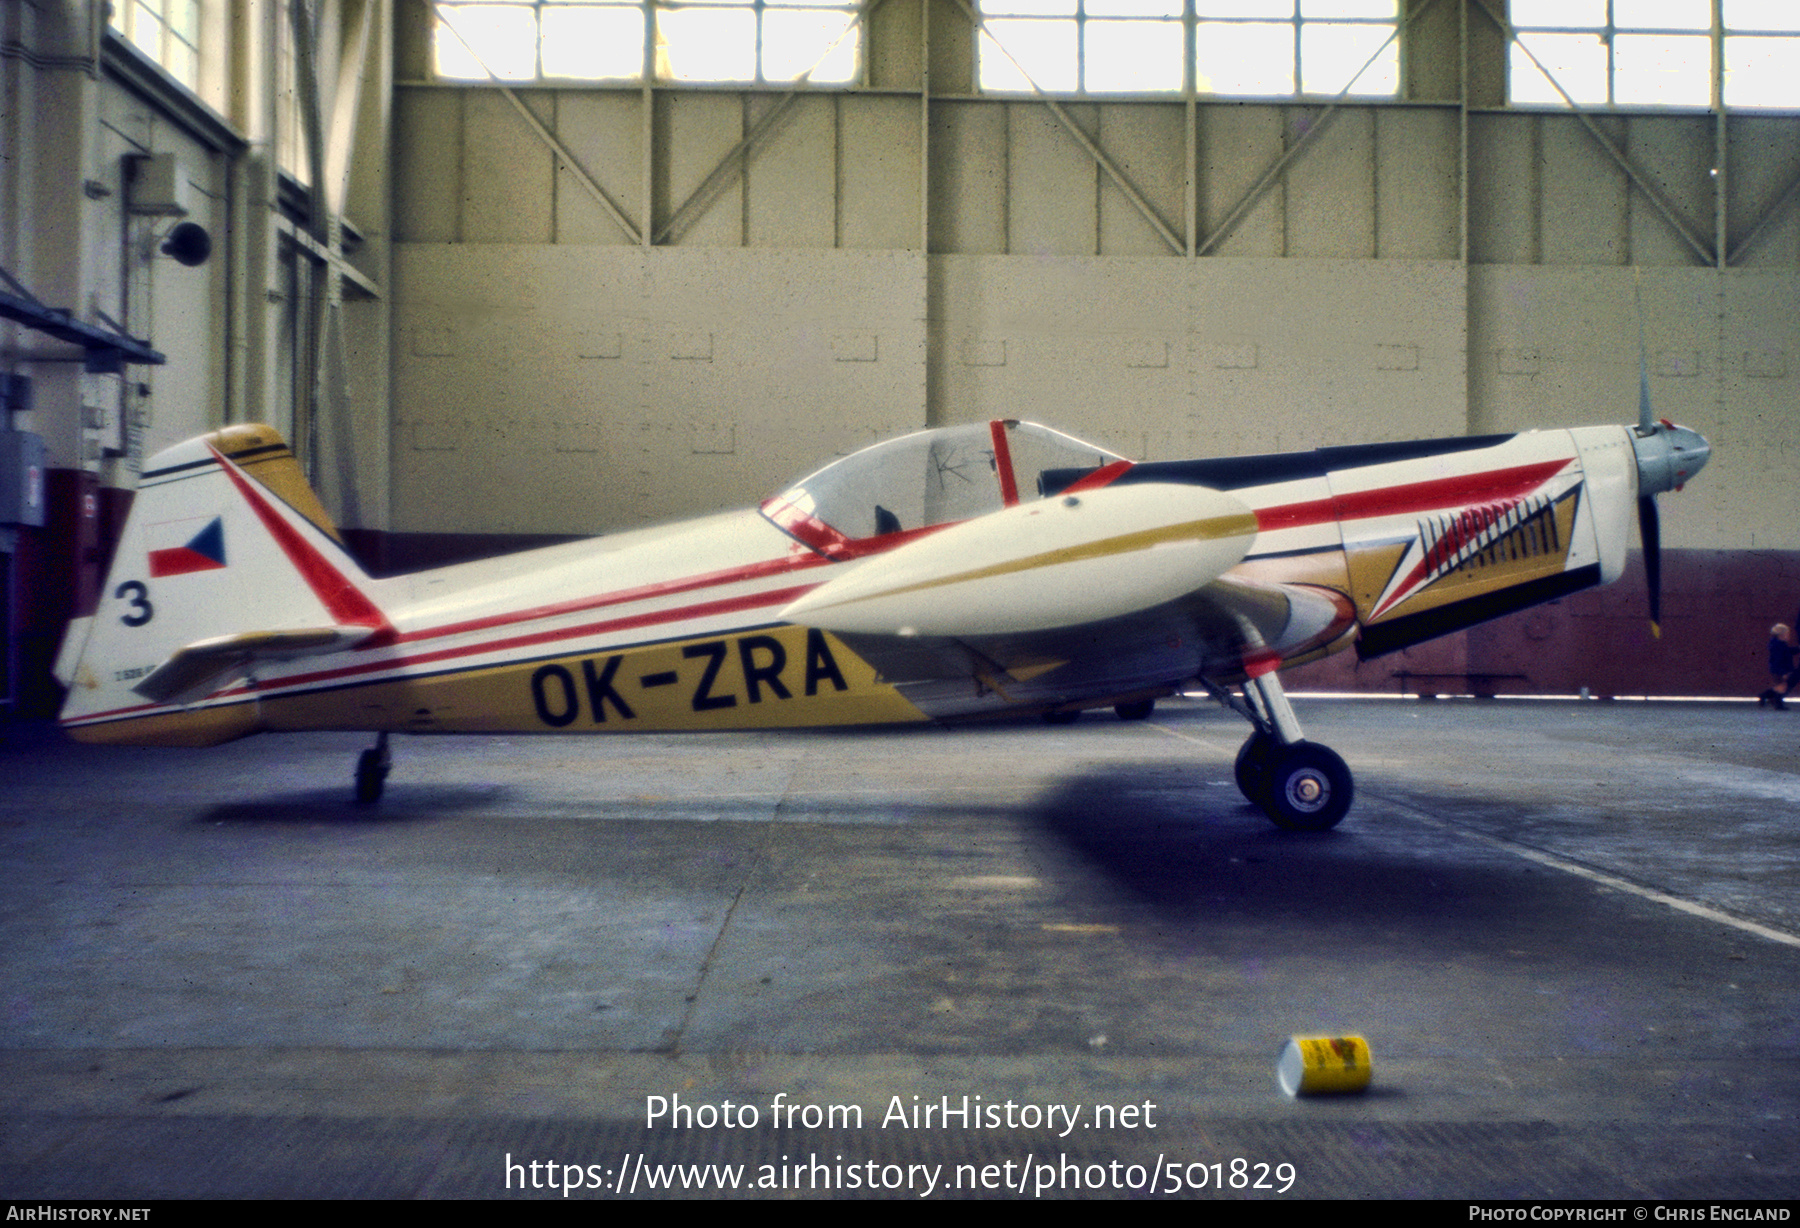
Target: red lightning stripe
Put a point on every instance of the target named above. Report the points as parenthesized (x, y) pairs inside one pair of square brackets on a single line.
[(1468, 526), (341, 598), (1102, 476)]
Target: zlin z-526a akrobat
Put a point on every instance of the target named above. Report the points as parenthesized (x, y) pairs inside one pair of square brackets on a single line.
[(948, 575)]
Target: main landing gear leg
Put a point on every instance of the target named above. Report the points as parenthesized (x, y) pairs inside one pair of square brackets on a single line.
[(371, 771), (1300, 785)]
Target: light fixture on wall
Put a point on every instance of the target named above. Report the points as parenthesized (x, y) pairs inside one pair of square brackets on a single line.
[(188, 243)]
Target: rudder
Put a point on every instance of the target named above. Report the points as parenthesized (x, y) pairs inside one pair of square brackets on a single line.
[(227, 558)]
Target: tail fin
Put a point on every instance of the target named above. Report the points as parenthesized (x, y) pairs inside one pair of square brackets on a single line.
[(227, 559)]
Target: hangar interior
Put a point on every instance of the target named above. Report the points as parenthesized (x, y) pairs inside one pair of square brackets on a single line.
[(514, 271)]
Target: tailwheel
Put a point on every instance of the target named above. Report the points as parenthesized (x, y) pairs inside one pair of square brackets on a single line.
[(1254, 759), (1308, 788), (372, 770)]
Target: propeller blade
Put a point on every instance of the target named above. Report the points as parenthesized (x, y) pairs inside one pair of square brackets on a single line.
[(1645, 422), (1650, 527)]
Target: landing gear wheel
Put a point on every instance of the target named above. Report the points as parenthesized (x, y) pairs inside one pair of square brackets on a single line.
[(371, 772), (1254, 760), (1309, 788), (1057, 716), (1136, 710)]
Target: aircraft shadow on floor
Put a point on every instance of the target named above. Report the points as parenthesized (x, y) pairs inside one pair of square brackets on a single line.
[(1184, 846)]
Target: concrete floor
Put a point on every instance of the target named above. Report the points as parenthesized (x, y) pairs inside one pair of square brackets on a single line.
[(1568, 932)]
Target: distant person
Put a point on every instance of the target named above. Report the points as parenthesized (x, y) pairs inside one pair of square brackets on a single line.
[(1784, 665)]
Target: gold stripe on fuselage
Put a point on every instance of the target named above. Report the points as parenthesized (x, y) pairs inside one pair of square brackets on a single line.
[(767, 678), (1210, 529)]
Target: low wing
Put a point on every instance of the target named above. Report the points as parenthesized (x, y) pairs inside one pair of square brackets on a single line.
[(1227, 629), (1109, 592)]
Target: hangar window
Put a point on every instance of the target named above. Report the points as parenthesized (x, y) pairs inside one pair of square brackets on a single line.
[(1238, 48), (753, 41), (1654, 53), (168, 31)]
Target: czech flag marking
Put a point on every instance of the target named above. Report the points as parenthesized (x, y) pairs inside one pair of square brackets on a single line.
[(204, 551)]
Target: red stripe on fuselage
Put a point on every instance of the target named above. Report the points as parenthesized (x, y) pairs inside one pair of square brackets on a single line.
[(729, 605), (643, 592), (1412, 497), (1103, 476)]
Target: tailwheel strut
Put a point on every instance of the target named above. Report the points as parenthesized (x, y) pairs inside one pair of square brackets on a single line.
[(372, 770)]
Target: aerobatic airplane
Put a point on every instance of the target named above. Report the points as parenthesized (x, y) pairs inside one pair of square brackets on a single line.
[(952, 574)]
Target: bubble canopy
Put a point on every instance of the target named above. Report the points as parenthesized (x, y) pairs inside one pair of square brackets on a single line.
[(927, 480)]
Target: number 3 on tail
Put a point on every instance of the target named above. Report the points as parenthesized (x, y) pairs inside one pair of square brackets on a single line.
[(139, 596)]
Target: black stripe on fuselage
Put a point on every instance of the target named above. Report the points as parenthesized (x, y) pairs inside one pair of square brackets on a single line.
[(1239, 472), (1398, 633)]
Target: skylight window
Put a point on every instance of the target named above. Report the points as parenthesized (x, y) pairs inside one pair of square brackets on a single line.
[(1655, 53), (726, 41), (1239, 48)]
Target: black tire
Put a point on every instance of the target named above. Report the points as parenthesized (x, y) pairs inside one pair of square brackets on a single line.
[(1057, 716), (1136, 710), (1310, 788), (1253, 763), (371, 775)]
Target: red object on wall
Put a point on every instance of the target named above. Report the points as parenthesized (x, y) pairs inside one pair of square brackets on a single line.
[(59, 570)]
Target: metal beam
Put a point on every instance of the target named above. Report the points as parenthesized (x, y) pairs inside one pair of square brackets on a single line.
[(340, 139), (65, 327), (357, 280), (544, 134), (1143, 206), (1651, 192), (733, 163), (1257, 190), (728, 169), (1769, 217)]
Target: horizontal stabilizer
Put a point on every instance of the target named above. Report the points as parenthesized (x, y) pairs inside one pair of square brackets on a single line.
[(195, 671)]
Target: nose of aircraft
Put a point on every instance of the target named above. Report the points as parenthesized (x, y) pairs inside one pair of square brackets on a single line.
[(1668, 456)]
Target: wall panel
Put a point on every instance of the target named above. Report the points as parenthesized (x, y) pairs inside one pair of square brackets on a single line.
[(1168, 358), (1583, 209), (1052, 188), (694, 132), (1237, 145), (969, 170), (605, 133), (1331, 188), (509, 168), (1505, 170), (1763, 164), (1675, 154), (574, 389), (1147, 144), (790, 188), (428, 165), (879, 173), (1417, 193)]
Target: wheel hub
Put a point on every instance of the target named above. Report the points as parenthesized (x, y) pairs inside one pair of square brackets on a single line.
[(1308, 791)]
